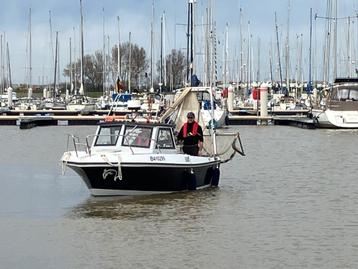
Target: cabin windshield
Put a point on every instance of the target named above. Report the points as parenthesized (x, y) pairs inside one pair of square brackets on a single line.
[(343, 94), (137, 136), (108, 135), (165, 139)]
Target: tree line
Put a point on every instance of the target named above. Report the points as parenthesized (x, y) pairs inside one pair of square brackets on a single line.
[(131, 56)]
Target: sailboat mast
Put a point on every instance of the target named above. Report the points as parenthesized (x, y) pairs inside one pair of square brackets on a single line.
[(164, 51), (226, 54), (270, 59), (278, 52), (288, 49), (30, 56), (55, 74), (161, 52), (75, 62), (309, 86), (51, 41), (81, 89), (119, 49), (152, 48), (188, 43), (241, 49), (129, 62), (71, 66), (8, 63), (1, 62), (335, 35), (258, 59), (191, 38), (104, 64)]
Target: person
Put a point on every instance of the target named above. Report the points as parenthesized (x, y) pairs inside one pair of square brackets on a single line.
[(143, 138), (191, 134)]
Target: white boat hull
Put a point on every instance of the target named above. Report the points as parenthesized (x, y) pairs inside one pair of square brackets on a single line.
[(336, 119)]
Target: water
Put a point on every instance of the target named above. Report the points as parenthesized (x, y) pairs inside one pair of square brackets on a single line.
[(292, 202)]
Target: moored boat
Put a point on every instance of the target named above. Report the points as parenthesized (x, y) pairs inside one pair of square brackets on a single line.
[(340, 109)]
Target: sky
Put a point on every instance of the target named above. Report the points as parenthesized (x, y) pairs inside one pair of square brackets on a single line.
[(136, 15)]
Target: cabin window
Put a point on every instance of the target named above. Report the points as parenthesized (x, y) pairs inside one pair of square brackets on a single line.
[(137, 136), (165, 139), (340, 94), (203, 96), (108, 135), (353, 94)]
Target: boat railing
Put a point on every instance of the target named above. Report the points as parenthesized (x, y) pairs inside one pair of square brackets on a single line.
[(76, 144)]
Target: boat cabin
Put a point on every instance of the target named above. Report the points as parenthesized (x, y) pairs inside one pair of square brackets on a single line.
[(134, 137), (343, 97)]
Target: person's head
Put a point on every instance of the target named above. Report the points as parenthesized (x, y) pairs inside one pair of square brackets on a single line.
[(190, 117)]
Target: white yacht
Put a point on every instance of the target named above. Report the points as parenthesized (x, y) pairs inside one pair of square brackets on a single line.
[(340, 109)]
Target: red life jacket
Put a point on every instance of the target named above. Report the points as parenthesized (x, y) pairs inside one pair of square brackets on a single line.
[(194, 131)]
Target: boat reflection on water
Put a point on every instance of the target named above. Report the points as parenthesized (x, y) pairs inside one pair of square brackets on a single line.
[(185, 204)]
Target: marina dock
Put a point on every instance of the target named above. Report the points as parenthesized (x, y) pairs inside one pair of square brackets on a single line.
[(30, 120)]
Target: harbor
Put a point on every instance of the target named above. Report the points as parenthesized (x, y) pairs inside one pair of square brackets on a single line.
[(287, 203), (195, 134)]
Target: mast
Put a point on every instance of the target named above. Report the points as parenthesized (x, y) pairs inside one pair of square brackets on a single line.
[(213, 76), (348, 47), (152, 49), (8, 63), (161, 53), (258, 59), (109, 66), (278, 53), (188, 43), (51, 41), (248, 75), (309, 86), (129, 62), (75, 63), (30, 56), (191, 39), (2, 65), (55, 74), (226, 52), (119, 51), (71, 78), (270, 59), (164, 51), (82, 86), (288, 49), (335, 44), (241, 48), (104, 63)]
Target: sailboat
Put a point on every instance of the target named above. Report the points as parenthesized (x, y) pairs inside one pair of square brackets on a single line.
[(80, 102)]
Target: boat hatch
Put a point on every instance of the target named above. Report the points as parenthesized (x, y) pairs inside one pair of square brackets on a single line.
[(137, 136), (108, 135)]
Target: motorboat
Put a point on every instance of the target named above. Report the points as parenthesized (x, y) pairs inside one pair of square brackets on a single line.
[(339, 108), (137, 158)]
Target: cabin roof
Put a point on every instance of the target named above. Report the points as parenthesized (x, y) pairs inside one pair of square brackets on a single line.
[(144, 124), (346, 80)]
